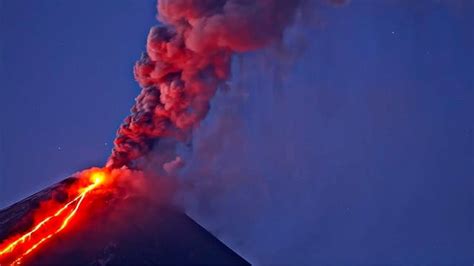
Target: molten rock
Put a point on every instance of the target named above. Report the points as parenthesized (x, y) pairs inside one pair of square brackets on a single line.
[(118, 229)]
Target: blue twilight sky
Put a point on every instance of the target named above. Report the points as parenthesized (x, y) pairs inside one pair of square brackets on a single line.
[(360, 149)]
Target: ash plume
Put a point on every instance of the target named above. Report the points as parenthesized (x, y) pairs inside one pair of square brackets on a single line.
[(187, 59)]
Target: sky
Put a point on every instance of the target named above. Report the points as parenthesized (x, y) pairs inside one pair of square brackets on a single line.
[(356, 145)]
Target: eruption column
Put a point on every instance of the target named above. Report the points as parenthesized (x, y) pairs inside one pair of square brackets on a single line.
[(187, 59)]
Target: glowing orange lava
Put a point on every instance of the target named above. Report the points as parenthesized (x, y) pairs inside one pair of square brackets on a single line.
[(48, 227)]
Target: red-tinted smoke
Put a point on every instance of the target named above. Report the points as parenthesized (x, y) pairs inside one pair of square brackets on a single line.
[(188, 57)]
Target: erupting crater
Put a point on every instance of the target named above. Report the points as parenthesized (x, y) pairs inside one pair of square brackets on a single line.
[(50, 219)]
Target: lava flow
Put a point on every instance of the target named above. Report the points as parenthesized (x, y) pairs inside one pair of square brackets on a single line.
[(16, 249)]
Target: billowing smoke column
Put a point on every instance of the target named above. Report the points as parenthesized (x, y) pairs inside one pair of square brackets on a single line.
[(187, 59)]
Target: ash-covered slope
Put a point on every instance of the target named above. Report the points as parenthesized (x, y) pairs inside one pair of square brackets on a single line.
[(126, 231)]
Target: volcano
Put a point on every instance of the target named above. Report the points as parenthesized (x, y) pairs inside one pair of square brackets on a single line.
[(96, 218), (131, 230)]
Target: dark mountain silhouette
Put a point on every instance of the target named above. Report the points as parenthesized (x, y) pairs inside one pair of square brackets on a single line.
[(126, 231)]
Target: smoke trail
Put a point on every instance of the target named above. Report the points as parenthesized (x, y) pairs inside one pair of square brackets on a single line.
[(187, 60)]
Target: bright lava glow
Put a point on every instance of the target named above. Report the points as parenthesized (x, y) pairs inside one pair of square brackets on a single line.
[(97, 178), (29, 243)]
